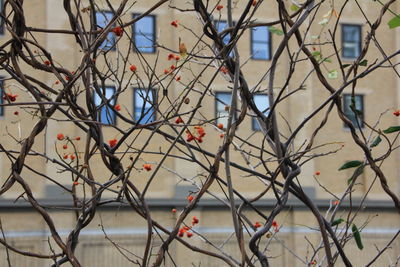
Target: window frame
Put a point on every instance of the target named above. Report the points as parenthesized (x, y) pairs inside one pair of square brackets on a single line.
[(153, 107), (2, 22), (360, 117), (112, 104), (252, 41), (359, 44), (216, 106), (254, 119), (153, 47), (2, 109), (112, 47)]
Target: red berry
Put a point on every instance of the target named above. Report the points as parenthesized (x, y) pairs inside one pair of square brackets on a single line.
[(190, 198), (16, 113), (60, 136), (219, 7), (65, 146), (133, 68), (46, 62), (113, 142), (117, 107), (178, 120), (174, 23), (189, 234), (220, 126), (317, 173), (173, 210), (147, 167), (77, 138), (171, 56), (118, 31)]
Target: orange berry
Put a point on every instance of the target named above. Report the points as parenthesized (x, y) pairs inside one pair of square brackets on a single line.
[(147, 167), (220, 126), (190, 198), (75, 183), (254, 3), (118, 107)]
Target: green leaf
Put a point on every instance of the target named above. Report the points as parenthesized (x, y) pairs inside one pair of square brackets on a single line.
[(345, 65), (356, 173), (316, 53), (363, 63), (294, 7), (394, 22), (276, 31), (333, 74), (350, 164), (392, 129), (337, 222), (357, 236), (327, 60), (376, 141)]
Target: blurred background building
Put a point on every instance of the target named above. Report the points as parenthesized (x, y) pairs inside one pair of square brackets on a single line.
[(377, 96)]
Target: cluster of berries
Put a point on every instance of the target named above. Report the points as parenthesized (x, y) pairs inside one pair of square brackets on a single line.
[(198, 134), (186, 229)]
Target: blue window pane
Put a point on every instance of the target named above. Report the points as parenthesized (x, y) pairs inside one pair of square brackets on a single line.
[(351, 41), (223, 99), (262, 103), (261, 34), (144, 34), (103, 18), (260, 51), (260, 43), (144, 106), (106, 113)]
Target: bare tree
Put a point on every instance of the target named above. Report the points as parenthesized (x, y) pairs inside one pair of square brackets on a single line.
[(171, 123)]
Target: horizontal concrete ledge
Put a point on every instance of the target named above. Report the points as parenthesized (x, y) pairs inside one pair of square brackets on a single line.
[(162, 203)]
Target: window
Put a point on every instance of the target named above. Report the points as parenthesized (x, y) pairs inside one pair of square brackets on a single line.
[(1, 97), (358, 103), (103, 18), (351, 41), (106, 113), (144, 105), (144, 34), (222, 102), (262, 103), (222, 25), (261, 43), (1, 18)]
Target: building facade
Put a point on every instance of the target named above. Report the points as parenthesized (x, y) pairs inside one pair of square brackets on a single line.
[(146, 72)]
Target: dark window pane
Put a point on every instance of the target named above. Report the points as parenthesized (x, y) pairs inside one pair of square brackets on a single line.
[(262, 103), (359, 106), (106, 113), (351, 41)]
